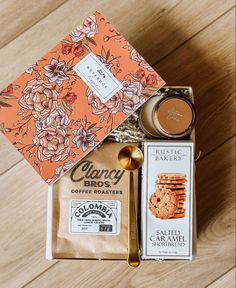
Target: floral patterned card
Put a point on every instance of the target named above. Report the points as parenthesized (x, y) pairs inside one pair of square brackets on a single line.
[(61, 107)]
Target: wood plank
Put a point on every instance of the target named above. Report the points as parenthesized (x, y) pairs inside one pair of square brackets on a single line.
[(216, 242), (18, 16), (141, 27), (8, 155), (23, 217), (21, 261), (206, 62), (171, 28), (33, 43), (226, 281)]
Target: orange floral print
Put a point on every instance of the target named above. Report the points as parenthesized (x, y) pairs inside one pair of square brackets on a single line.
[(40, 97), (53, 144), (50, 114)]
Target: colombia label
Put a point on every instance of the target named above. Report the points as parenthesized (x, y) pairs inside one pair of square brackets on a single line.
[(95, 217)]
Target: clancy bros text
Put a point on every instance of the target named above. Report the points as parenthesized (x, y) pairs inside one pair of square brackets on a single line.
[(92, 177)]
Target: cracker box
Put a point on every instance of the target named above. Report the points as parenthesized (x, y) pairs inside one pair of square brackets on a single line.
[(67, 102), (167, 200)]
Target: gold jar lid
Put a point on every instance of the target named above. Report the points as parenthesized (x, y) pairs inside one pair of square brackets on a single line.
[(174, 116)]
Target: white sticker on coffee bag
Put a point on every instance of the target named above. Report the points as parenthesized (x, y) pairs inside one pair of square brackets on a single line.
[(95, 217), (98, 77)]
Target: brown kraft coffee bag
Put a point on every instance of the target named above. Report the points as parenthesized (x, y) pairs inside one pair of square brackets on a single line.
[(88, 211)]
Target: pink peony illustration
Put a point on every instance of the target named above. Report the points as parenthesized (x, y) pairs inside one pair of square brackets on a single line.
[(70, 97), (128, 99), (134, 55), (66, 48), (57, 119), (84, 138), (140, 73), (113, 105), (151, 79), (53, 144), (132, 97), (97, 106), (56, 71), (40, 97), (88, 29), (78, 50)]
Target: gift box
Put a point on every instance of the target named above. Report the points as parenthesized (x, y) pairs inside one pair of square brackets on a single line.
[(67, 102), (63, 107), (61, 243)]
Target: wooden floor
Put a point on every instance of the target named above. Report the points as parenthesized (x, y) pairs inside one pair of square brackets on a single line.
[(188, 43)]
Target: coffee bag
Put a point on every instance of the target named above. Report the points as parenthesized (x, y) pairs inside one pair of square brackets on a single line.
[(88, 208)]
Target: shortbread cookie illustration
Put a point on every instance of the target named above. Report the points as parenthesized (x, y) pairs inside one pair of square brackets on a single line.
[(171, 181), (179, 215), (171, 186), (163, 204), (171, 176), (168, 201), (179, 191), (180, 204), (181, 198), (176, 191), (179, 212)]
